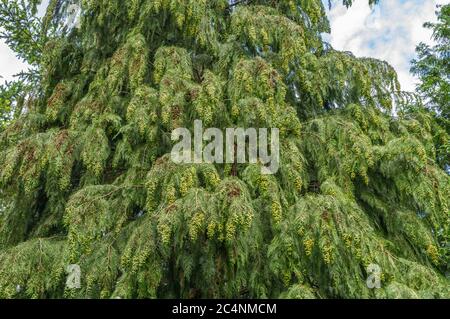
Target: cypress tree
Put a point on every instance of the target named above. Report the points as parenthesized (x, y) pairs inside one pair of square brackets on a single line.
[(86, 176), (432, 66)]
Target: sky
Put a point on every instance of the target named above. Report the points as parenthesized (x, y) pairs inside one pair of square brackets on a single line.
[(389, 31)]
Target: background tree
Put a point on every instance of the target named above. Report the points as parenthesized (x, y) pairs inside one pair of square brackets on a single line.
[(21, 30), (433, 69), (87, 178), (26, 32)]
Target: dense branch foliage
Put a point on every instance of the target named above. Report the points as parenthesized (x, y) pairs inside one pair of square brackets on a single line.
[(86, 177), (433, 69)]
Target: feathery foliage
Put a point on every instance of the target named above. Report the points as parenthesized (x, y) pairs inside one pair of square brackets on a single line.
[(86, 176)]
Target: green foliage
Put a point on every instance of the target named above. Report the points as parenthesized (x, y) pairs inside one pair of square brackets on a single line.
[(433, 68), (87, 177), (433, 65), (8, 93), (20, 29)]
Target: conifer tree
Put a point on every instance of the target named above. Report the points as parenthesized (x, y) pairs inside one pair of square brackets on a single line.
[(86, 175), (433, 69)]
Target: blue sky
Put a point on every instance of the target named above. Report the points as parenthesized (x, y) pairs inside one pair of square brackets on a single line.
[(389, 31)]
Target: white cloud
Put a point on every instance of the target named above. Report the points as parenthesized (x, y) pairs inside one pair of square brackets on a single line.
[(389, 31)]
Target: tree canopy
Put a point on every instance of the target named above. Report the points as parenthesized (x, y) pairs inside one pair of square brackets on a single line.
[(86, 177)]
